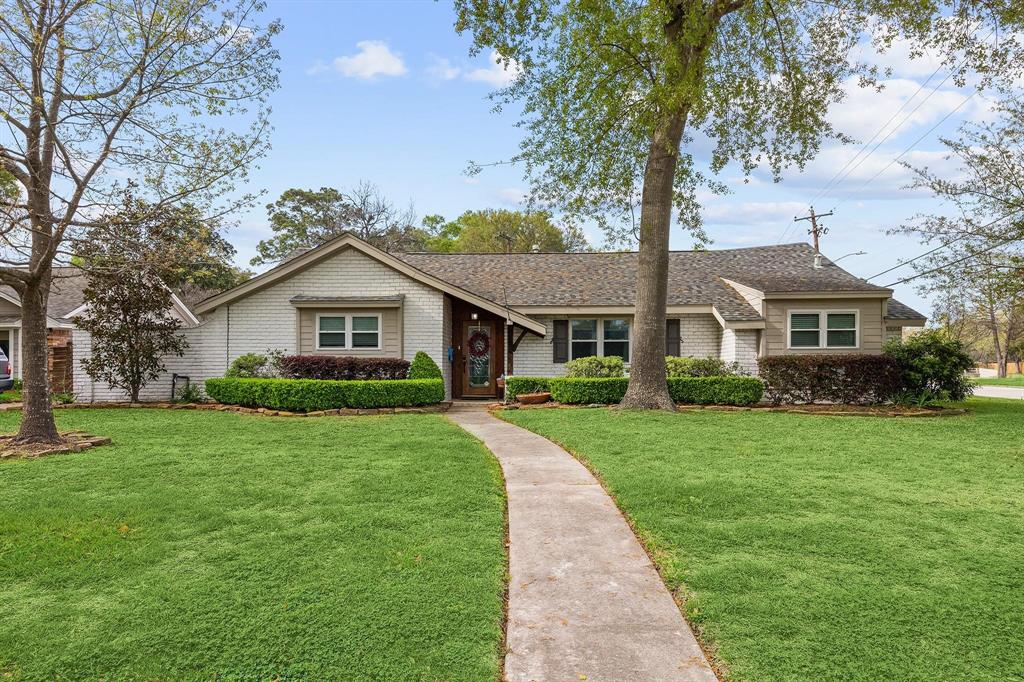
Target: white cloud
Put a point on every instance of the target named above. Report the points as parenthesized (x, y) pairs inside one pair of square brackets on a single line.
[(441, 69), (751, 212), (864, 111), (373, 59), (471, 181), (498, 74), (511, 195), (898, 58)]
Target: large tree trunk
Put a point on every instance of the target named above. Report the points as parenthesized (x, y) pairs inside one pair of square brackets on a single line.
[(37, 424), (648, 386)]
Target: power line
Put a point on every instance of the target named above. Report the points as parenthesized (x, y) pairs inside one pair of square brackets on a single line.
[(940, 246), (955, 262)]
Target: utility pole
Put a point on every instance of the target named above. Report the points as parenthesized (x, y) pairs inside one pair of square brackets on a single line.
[(815, 231)]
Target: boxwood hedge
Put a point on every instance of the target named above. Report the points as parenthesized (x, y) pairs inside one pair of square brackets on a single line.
[(716, 390), (514, 386), (306, 395)]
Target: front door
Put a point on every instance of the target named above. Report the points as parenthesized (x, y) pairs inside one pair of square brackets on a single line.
[(478, 374)]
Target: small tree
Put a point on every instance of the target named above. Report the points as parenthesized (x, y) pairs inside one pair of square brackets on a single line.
[(129, 317)]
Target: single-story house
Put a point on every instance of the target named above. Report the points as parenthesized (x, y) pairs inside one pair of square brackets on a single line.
[(482, 316)]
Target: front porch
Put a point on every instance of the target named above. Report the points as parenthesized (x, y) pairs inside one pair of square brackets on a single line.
[(481, 350)]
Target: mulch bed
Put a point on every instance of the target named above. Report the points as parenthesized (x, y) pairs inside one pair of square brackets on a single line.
[(74, 441), (833, 410)]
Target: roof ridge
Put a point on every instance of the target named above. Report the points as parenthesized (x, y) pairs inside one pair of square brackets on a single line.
[(591, 253)]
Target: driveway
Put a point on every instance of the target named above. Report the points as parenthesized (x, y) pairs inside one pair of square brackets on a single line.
[(999, 392)]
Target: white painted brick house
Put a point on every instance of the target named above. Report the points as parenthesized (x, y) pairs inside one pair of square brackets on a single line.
[(482, 316)]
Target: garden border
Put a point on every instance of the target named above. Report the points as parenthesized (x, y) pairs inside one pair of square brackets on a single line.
[(443, 406)]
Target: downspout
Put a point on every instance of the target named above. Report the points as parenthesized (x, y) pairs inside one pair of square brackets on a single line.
[(227, 340)]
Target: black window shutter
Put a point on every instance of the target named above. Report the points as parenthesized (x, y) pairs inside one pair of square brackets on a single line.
[(560, 343), (672, 337)]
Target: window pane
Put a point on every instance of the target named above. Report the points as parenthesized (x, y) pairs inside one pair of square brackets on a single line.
[(332, 324), (583, 349), (617, 330), (364, 339), (332, 340), (842, 339), (584, 329), (842, 320), (364, 324), (800, 339), (620, 348), (803, 321)]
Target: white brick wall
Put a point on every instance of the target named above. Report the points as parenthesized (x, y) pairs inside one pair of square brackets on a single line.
[(266, 320), (740, 345), (533, 357), (701, 335)]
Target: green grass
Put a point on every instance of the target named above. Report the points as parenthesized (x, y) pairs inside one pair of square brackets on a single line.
[(10, 396), (207, 545), (827, 548), (1012, 380)]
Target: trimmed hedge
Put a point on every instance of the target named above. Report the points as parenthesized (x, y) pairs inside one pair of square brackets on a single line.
[(308, 395), (716, 390), (700, 367), (343, 368), (514, 386), (424, 367), (594, 366), (842, 379)]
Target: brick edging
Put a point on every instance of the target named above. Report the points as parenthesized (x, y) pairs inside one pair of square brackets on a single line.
[(219, 407)]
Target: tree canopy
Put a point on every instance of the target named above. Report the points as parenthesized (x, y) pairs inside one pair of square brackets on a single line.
[(502, 230), (305, 218)]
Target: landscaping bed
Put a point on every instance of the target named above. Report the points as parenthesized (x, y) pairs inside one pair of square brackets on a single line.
[(806, 548), (74, 441), (204, 544)]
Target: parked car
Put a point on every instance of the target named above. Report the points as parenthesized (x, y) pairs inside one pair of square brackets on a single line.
[(6, 380)]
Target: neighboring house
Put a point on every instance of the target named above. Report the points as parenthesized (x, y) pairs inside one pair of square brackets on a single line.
[(63, 305), (484, 315)]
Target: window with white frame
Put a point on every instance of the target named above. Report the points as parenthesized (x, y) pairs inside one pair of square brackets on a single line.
[(823, 329), (348, 332), (599, 337)]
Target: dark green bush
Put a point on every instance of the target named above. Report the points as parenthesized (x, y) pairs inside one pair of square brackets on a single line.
[(248, 366), (424, 367), (716, 390), (306, 395), (594, 366), (934, 367), (515, 386), (700, 367), (587, 391)]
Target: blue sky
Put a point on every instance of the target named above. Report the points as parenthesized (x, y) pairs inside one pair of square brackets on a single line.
[(387, 92)]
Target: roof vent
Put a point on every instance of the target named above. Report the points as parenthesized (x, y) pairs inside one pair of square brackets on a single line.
[(817, 261)]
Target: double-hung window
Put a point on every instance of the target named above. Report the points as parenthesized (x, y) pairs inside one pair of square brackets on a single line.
[(599, 337), (347, 332), (823, 329)]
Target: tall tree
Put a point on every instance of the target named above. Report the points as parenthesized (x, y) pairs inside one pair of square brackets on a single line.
[(613, 91), (169, 91), (501, 230), (305, 218), (978, 254)]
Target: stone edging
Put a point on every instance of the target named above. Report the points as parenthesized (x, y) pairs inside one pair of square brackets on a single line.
[(219, 407), (838, 411)]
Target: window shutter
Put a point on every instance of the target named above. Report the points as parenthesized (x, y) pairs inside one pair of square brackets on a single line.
[(560, 343), (672, 337)]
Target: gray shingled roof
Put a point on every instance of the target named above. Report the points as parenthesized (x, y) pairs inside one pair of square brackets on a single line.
[(695, 277), (901, 311), (65, 291)]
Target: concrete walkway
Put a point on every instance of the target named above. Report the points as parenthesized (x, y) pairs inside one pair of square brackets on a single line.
[(999, 392), (585, 602)]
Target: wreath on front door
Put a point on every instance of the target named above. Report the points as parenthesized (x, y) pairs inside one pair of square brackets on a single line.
[(479, 344)]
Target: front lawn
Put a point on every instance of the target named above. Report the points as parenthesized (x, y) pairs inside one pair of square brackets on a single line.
[(827, 548), (1012, 380), (209, 545)]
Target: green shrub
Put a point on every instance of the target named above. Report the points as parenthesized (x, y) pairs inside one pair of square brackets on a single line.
[(700, 367), (934, 367), (717, 390), (424, 367), (516, 386), (588, 391), (594, 366), (18, 385), (306, 395), (63, 398), (248, 366)]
